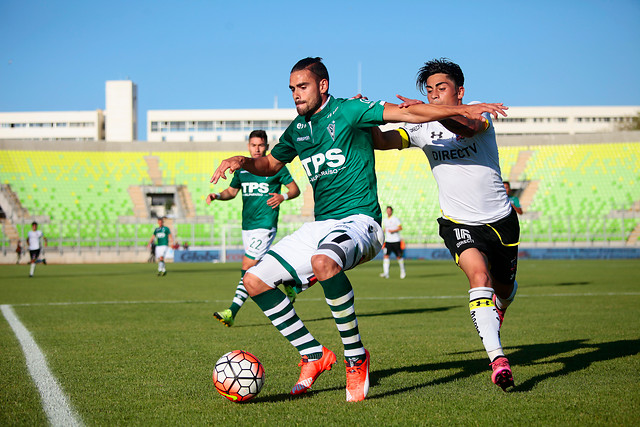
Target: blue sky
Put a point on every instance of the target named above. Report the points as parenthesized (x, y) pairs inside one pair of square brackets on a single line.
[(57, 55)]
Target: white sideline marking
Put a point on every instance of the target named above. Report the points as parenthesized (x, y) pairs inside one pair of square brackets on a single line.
[(461, 296), (54, 401)]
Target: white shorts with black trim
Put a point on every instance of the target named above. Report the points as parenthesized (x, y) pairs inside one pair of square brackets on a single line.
[(257, 242), (349, 241)]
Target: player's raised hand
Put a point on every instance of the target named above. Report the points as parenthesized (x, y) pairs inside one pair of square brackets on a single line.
[(275, 200), (231, 164), (407, 102), (474, 111)]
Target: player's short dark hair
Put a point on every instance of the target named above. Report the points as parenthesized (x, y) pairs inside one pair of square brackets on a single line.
[(259, 133), (314, 65), (507, 182), (435, 66), (34, 223), (389, 207)]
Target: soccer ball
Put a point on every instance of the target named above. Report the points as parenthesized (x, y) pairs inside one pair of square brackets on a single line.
[(238, 376)]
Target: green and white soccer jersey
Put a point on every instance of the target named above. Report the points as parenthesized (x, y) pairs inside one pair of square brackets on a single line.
[(162, 234), (255, 193), (336, 151)]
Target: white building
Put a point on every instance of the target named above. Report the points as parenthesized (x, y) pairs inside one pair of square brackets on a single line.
[(564, 120), (117, 123), (121, 115), (216, 125), (235, 125), (53, 126)]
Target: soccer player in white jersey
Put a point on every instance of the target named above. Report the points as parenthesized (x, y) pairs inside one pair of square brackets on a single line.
[(33, 240), (478, 224), (393, 244), (332, 138), (261, 199)]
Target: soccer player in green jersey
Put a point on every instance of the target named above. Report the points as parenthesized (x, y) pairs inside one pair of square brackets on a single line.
[(332, 138), (261, 199), (165, 238)]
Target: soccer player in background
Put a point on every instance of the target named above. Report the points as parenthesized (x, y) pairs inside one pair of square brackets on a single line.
[(393, 244), (18, 251), (515, 201), (261, 201), (332, 138), (33, 240), (478, 224), (165, 238)]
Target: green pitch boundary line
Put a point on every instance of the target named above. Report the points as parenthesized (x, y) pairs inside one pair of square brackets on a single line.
[(421, 297)]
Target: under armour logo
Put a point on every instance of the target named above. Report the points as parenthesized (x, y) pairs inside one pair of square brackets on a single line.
[(434, 134)]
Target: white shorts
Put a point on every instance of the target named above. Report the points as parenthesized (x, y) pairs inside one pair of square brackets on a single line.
[(349, 241), (161, 251), (257, 242)]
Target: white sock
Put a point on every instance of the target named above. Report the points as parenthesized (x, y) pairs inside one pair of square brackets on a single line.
[(401, 264), (486, 320), (32, 269), (385, 266), (502, 304), (160, 265)]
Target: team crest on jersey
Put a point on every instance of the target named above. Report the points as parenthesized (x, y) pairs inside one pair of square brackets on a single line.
[(332, 129)]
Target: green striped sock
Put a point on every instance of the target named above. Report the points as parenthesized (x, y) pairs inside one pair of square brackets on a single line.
[(277, 307), (240, 297), (339, 295)]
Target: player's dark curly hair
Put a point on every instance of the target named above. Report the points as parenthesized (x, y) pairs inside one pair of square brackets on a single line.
[(314, 65), (435, 66)]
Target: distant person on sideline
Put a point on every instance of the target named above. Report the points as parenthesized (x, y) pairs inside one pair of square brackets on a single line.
[(34, 238), (393, 244)]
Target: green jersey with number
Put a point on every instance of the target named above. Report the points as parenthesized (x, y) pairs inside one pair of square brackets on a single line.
[(336, 151), (162, 234), (255, 193)]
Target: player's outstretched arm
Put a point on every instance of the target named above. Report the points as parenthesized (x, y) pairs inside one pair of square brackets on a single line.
[(261, 166), (459, 125), (421, 113), (389, 140), (227, 194)]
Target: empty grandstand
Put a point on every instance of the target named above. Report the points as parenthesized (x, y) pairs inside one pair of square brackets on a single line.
[(575, 190)]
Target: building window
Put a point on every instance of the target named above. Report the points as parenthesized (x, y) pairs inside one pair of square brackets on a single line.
[(205, 125), (177, 126)]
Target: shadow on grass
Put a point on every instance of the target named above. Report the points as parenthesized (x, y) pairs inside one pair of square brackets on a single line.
[(535, 354), (572, 283), (390, 313)]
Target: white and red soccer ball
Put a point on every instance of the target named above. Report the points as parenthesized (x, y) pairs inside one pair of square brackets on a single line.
[(238, 376)]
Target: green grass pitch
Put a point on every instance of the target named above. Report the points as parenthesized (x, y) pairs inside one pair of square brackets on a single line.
[(131, 348)]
